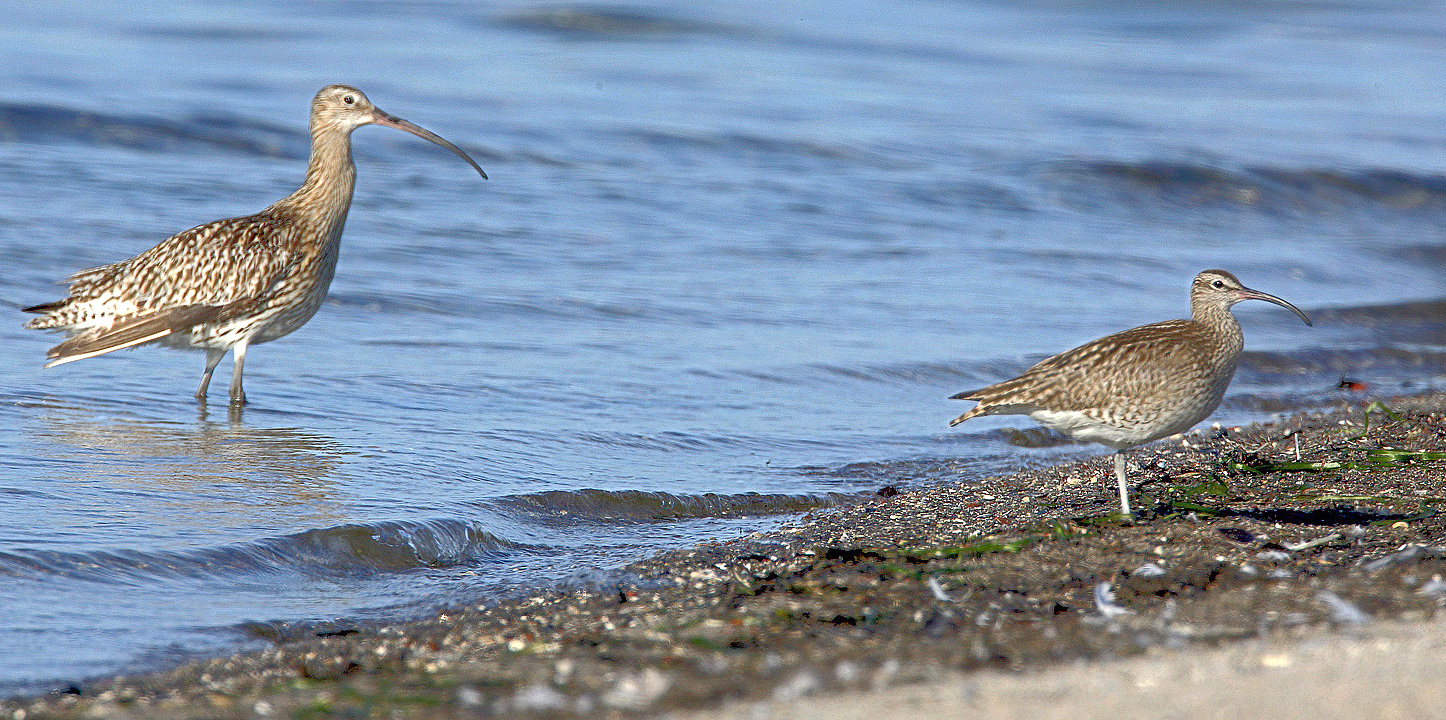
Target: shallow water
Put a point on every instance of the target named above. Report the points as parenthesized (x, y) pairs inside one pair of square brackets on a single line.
[(732, 259)]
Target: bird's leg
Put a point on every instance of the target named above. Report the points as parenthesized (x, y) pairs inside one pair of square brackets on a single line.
[(213, 358), (1120, 477), (238, 396)]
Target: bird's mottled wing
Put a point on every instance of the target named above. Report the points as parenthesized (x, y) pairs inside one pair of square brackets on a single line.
[(218, 263), (1146, 361), (206, 275)]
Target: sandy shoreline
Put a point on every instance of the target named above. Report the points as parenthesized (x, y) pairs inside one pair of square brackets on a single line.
[(1385, 671), (1295, 563)]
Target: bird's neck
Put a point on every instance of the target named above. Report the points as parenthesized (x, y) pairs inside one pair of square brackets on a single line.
[(1223, 329), (325, 195)]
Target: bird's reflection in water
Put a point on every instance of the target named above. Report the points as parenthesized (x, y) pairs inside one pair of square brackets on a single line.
[(211, 474)]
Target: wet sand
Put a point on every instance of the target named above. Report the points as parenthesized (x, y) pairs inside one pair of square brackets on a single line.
[(1296, 566)]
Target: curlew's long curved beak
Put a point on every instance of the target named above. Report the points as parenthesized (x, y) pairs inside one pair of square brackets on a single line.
[(392, 121), (1248, 294)]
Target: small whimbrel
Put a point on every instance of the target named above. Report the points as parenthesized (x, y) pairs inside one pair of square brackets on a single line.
[(230, 284), (1135, 386)]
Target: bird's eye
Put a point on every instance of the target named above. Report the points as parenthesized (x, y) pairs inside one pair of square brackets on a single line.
[(1217, 284), (349, 99)]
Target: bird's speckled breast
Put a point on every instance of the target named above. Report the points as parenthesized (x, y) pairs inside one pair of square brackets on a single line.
[(307, 295)]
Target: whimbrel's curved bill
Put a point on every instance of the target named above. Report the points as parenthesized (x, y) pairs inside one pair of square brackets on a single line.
[(1246, 293)]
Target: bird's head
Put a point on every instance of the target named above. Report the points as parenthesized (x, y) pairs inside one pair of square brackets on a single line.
[(343, 108), (1218, 288)]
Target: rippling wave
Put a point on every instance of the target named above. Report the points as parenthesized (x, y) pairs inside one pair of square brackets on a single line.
[(343, 550), (1416, 362), (1416, 323), (1263, 187), (615, 506), (734, 143), (50, 123), (590, 22)]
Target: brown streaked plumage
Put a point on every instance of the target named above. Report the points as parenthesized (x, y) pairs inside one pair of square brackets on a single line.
[(231, 283), (1135, 386)]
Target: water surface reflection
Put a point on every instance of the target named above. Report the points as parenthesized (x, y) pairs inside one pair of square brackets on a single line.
[(215, 475)]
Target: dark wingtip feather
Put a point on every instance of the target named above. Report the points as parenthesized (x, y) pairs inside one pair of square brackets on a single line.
[(45, 307)]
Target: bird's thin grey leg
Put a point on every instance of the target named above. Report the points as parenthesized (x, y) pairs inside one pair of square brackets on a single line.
[(238, 396), (213, 358), (1120, 477)]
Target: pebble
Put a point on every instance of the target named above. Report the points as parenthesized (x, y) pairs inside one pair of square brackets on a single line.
[(637, 691), (538, 697)]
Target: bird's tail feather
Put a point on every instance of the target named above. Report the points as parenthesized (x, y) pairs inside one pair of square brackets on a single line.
[(129, 333), (70, 351), (963, 417)]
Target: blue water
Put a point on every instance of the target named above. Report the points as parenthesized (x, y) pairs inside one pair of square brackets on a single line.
[(732, 258)]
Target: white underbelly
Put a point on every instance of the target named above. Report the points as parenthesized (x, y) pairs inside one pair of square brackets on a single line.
[(1120, 432)]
